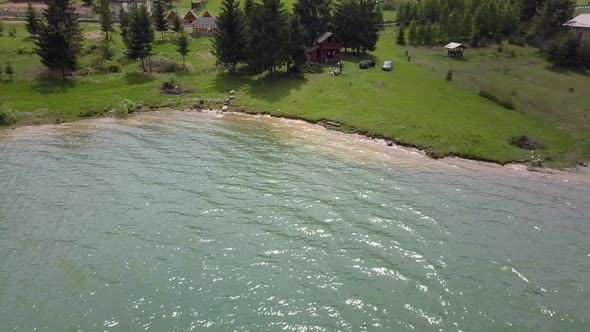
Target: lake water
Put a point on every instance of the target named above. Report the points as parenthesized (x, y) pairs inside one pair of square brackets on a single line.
[(187, 221)]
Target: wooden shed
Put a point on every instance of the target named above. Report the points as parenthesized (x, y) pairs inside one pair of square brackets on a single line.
[(190, 17), (455, 49), (326, 49)]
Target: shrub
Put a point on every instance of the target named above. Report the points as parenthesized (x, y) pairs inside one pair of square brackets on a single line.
[(125, 107), (450, 75), (166, 66), (506, 103), (7, 117), (524, 142)]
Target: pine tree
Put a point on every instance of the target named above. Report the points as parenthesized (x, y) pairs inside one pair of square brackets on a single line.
[(297, 54), (32, 20), (177, 25), (346, 23), (9, 70), (183, 47), (124, 21), (401, 36), (229, 40), (475, 35), (160, 16), (107, 27), (58, 43), (270, 37), (140, 36), (413, 33), (314, 16)]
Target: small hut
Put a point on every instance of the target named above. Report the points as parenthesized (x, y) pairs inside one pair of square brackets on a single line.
[(190, 17), (455, 49)]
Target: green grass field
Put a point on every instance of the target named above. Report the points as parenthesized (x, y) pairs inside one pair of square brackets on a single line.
[(412, 105)]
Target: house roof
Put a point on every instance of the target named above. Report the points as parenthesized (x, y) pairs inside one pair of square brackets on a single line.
[(323, 37), (192, 12), (212, 21), (208, 14), (453, 45), (580, 21), (313, 48)]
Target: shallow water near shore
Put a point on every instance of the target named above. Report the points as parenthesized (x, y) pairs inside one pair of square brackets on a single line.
[(180, 221)]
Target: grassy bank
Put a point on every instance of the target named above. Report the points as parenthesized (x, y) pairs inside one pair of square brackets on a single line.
[(413, 105)]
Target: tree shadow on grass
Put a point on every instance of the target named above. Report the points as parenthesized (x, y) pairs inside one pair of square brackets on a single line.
[(137, 78), (53, 86), (353, 56), (569, 71)]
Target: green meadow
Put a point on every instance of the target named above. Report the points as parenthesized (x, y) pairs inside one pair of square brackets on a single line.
[(412, 105)]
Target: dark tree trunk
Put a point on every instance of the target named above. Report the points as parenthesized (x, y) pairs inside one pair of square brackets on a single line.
[(142, 65)]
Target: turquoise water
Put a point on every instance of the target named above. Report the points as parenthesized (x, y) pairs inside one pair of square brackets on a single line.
[(183, 222)]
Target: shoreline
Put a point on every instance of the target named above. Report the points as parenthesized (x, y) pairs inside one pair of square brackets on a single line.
[(385, 144)]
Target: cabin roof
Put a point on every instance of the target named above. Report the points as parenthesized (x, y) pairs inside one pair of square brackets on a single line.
[(453, 46), (192, 12), (580, 21)]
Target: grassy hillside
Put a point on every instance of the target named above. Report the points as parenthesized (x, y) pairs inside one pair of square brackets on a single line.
[(412, 105)]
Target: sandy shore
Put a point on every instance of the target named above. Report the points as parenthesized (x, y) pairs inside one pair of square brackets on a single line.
[(354, 147)]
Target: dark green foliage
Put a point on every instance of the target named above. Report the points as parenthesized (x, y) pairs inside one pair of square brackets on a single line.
[(506, 103), (183, 47), (569, 51), (269, 37), (7, 117), (177, 25), (357, 22), (550, 18), (12, 32), (229, 42), (124, 22), (9, 70), (160, 16), (524, 142), (140, 35), (413, 33), (296, 43), (32, 20), (59, 37), (401, 36), (107, 27), (449, 75), (315, 16)]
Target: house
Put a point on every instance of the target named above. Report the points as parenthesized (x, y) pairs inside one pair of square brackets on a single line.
[(326, 49), (170, 17), (190, 17), (117, 5), (205, 25), (455, 49), (580, 25)]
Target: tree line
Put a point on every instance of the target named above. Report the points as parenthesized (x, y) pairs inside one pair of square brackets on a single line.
[(58, 36), (432, 21), (265, 36)]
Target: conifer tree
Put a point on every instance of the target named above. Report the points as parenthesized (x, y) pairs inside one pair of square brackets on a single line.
[(270, 37), (401, 36), (229, 41), (32, 20), (160, 16), (58, 43), (124, 21), (413, 33), (297, 54), (177, 25), (183, 47), (107, 27), (140, 36), (9, 70), (314, 17)]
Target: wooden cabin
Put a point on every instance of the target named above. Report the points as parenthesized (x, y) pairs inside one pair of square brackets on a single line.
[(455, 50), (325, 49), (205, 25), (190, 17), (580, 25), (170, 17)]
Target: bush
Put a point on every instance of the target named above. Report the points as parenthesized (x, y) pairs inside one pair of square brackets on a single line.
[(450, 75), (25, 51), (166, 66), (506, 103), (524, 142), (7, 117), (125, 107)]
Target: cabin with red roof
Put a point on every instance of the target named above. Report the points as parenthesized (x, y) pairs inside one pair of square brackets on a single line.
[(325, 49)]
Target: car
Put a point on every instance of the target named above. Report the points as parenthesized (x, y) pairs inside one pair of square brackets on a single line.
[(366, 64), (387, 65)]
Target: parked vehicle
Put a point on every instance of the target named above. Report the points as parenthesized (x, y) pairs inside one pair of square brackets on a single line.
[(366, 64), (387, 65)]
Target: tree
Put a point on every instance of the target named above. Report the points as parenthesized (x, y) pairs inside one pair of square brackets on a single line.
[(356, 22), (107, 27), (160, 15), (183, 47), (270, 37), (549, 20), (32, 20), (401, 36), (177, 25), (140, 35), (1, 28), (314, 17), (9, 70), (59, 37), (413, 33), (475, 36), (296, 42), (124, 22), (229, 40)]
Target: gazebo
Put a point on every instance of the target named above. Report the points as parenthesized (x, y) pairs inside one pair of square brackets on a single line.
[(455, 49)]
